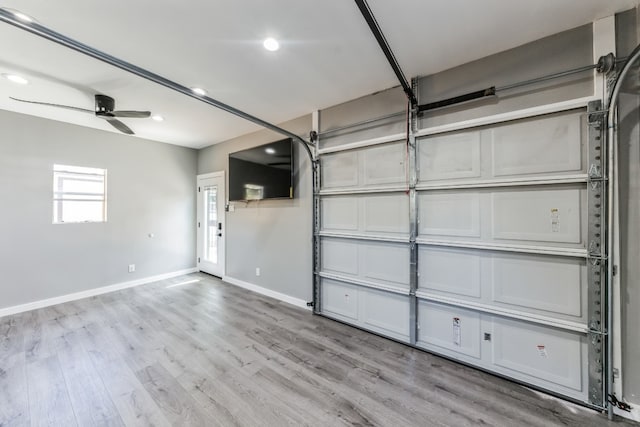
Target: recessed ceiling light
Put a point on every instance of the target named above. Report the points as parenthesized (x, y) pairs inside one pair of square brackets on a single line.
[(271, 44), (16, 79), (157, 118), (269, 150), (199, 91)]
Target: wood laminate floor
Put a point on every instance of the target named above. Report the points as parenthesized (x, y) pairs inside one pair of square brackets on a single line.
[(195, 351)]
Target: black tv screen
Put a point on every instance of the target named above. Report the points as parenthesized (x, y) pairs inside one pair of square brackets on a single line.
[(263, 172)]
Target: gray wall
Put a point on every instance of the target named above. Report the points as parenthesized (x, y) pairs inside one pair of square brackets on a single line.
[(150, 189), (273, 235), (629, 179), (556, 53)]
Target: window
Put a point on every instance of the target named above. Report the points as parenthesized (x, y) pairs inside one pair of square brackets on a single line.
[(79, 194)]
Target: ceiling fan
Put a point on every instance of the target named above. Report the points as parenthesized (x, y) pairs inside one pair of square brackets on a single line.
[(105, 106)]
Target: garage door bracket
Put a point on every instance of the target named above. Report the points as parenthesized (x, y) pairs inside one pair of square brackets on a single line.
[(597, 258)]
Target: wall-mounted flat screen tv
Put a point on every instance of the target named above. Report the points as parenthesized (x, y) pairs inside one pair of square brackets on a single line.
[(263, 172)]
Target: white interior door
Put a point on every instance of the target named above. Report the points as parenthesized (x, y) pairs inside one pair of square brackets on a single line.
[(211, 225)]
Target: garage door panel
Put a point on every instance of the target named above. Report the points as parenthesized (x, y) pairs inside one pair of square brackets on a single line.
[(542, 215), (548, 145), (538, 215), (386, 214), (384, 164), (385, 313), (448, 327), (340, 256), (449, 214), (340, 214), (530, 148), (339, 299), (451, 271), (453, 156), (339, 170), (386, 262), (539, 352), (372, 167), (542, 285), (381, 263), (551, 284)]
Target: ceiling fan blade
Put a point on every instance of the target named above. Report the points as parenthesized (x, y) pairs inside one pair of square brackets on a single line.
[(132, 114), (119, 125), (68, 107)]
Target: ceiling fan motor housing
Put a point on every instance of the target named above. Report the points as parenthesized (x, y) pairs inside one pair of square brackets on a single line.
[(104, 104)]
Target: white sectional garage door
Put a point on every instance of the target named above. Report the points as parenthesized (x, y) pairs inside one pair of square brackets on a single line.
[(497, 237), (364, 246)]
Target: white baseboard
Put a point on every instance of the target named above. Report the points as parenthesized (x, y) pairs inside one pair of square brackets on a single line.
[(633, 415), (268, 292), (90, 292)]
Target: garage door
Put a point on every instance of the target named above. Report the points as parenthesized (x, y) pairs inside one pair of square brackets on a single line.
[(481, 244)]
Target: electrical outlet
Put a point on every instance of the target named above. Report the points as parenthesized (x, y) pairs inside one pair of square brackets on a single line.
[(132, 268), (257, 271)]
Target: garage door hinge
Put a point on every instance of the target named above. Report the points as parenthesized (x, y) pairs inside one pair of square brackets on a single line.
[(595, 258), (595, 172), (594, 331), (310, 304), (594, 117), (198, 259)]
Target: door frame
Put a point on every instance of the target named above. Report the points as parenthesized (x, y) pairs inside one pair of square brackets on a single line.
[(221, 218)]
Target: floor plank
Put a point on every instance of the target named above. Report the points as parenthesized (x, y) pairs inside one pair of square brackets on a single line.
[(134, 404), (48, 396), (89, 397), (192, 350), (173, 400), (14, 397)]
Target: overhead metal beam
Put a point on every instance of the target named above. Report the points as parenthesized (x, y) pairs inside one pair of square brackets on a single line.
[(367, 14), (51, 35)]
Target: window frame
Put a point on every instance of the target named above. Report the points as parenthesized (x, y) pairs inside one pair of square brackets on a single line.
[(78, 174)]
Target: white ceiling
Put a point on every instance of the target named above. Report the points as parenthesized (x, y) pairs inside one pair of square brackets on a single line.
[(327, 54)]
